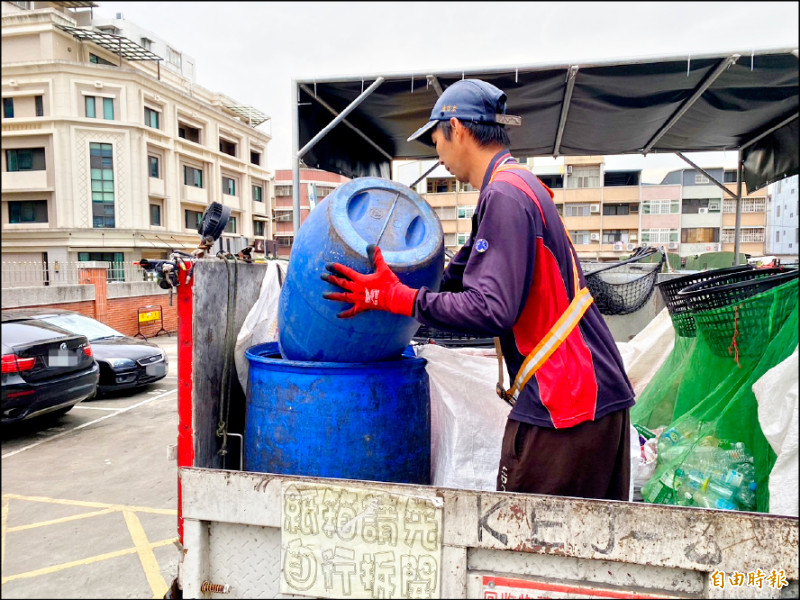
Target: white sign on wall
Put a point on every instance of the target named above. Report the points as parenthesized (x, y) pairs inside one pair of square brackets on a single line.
[(339, 542)]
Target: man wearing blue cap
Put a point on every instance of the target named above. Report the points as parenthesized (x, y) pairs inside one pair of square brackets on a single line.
[(518, 279)]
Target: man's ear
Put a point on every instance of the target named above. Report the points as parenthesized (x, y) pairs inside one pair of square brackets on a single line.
[(455, 125)]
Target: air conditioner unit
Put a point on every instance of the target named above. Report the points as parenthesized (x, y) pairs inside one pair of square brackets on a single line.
[(633, 237), (702, 211), (595, 237), (673, 246), (630, 247), (713, 207), (618, 246), (569, 169), (594, 208)]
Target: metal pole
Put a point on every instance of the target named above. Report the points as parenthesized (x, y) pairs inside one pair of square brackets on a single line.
[(340, 118), (739, 175), (295, 159), (330, 109)]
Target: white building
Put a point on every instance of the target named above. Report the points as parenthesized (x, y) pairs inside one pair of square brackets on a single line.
[(782, 219), (108, 155)]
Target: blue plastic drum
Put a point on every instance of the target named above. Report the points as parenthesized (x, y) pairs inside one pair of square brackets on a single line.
[(364, 211), (366, 421)]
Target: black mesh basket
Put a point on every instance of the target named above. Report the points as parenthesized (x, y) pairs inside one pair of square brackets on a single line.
[(678, 307), (624, 287), (732, 318), (449, 339)]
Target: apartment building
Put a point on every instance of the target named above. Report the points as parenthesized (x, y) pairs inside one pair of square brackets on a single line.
[(109, 155), (783, 237), (608, 213), (315, 185)]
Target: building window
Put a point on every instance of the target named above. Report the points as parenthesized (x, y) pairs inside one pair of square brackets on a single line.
[(146, 43), (466, 212), (39, 102), (577, 210), (584, 177), (281, 191), (616, 209), (258, 228), (192, 176), (580, 237), (154, 167), (174, 57), (25, 159), (93, 58), (699, 178), (227, 147), (155, 215), (660, 207), (116, 272), (729, 177), (152, 118), (228, 186), (27, 211), (192, 219), (258, 193), (749, 205), (659, 236), (445, 213), (614, 235), (188, 132), (101, 162), (746, 234), (231, 226), (255, 157), (461, 239), (441, 185), (8, 108), (108, 108), (552, 181), (699, 235)]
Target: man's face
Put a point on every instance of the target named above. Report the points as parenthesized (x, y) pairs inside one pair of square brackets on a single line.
[(451, 151)]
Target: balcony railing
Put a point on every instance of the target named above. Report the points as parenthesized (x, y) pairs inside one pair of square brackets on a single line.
[(36, 273)]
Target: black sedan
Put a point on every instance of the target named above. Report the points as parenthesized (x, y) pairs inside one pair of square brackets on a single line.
[(125, 362), (46, 370)]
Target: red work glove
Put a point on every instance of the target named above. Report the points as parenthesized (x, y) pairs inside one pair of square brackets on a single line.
[(380, 290)]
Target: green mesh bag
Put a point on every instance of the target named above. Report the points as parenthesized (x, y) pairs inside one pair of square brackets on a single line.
[(698, 382)]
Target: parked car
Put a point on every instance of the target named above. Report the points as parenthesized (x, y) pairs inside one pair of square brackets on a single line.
[(46, 369), (125, 362)]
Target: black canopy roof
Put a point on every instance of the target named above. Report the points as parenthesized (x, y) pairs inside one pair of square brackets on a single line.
[(746, 101)]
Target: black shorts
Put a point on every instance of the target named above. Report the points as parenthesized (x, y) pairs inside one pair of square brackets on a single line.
[(590, 460)]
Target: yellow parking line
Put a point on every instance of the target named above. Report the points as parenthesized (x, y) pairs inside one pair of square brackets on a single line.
[(149, 563), (96, 513), (85, 561), (117, 507)]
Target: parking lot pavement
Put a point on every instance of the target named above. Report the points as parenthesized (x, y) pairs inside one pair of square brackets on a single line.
[(89, 502)]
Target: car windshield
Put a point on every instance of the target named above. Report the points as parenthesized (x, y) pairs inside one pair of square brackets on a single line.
[(93, 330)]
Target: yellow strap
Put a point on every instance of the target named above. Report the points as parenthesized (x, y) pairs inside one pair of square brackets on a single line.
[(552, 340)]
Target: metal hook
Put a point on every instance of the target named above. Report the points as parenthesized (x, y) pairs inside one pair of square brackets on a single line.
[(516, 75), (412, 84), (688, 63)]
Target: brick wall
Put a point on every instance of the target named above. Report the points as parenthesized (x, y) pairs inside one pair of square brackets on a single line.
[(120, 313), (123, 313)]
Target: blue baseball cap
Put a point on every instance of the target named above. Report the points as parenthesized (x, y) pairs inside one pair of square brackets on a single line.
[(470, 100)]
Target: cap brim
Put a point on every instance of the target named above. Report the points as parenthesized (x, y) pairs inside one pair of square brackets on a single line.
[(424, 133)]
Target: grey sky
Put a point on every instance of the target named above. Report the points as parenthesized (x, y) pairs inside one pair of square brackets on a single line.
[(251, 51)]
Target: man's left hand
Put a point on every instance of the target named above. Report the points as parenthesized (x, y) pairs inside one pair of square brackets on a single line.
[(380, 290)]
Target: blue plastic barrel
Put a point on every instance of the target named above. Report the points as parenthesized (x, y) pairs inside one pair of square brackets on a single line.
[(366, 421), (364, 211)]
